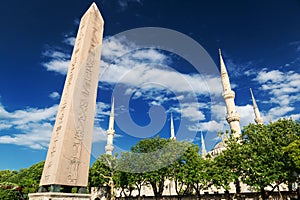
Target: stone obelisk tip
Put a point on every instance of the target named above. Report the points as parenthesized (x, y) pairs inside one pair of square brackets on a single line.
[(94, 9)]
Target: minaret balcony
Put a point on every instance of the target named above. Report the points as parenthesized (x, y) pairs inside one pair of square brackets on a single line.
[(229, 94), (110, 132), (233, 117), (109, 148)]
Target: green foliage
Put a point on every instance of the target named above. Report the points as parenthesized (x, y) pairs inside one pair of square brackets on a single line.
[(14, 183), (101, 170), (9, 194), (227, 166), (153, 156), (190, 171), (259, 158), (293, 151), (266, 163)]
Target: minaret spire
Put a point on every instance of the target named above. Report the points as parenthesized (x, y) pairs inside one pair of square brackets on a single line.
[(258, 119), (110, 131), (233, 118), (203, 149), (172, 131)]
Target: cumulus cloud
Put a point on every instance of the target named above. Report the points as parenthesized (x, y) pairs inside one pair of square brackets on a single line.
[(70, 40), (99, 134), (32, 127), (190, 111), (125, 63), (210, 126), (246, 114), (146, 73), (283, 88), (284, 91), (54, 95)]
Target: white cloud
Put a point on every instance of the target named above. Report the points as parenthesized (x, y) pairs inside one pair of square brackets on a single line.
[(146, 74), (57, 65), (295, 116), (70, 40), (36, 136), (280, 111), (32, 127), (55, 54), (3, 125), (296, 44), (99, 134), (284, 91), (274, 76), (102, 111), (246, 114), (125, 63), (113, 48), (54, 95), (191, 111), (210, 126)]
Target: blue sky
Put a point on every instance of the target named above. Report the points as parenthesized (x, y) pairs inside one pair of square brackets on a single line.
[(260, 41)]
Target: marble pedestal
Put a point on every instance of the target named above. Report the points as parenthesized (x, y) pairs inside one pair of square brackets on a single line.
[(58, 196)]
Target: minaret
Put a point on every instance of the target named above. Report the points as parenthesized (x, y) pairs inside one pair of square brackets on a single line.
[(233, 118), (203, 149), (110, 131), (258, 119), (172, 129)]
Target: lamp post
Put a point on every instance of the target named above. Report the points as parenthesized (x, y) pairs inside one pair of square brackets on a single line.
[(296, 178)]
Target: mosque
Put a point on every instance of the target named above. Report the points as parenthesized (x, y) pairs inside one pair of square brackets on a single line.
[(233, 119)]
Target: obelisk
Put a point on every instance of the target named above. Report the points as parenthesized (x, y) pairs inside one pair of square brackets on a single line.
[(68, 159)]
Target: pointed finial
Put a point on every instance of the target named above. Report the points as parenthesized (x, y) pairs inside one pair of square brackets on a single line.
[(172, 131), (112, 112), (203, 149), (253, 99), (222, 64)]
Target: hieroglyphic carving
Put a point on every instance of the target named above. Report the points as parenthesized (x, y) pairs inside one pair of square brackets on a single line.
[(62, 107), (81, 118), (68, 154)]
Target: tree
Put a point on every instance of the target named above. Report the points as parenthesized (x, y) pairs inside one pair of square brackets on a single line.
[(17, 184), (227, 166), (191, 171), (293, 151), (102, 173), (130, 175), (154, 157), (265, 162), (30, 178), (9, 191)]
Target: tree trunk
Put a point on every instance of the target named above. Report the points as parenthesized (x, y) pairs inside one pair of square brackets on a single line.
[(280, 195), (197, 189), (263, 193), (198, 194)]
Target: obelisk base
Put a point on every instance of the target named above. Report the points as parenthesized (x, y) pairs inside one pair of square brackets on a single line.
[(58, 196)]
